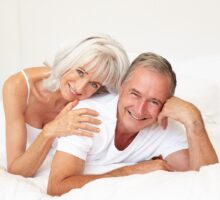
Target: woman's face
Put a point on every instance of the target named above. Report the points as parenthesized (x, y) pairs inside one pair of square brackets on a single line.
[(78, 84)]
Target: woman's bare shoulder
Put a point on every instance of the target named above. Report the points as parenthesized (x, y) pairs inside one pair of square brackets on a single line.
[(37, 73), (16, 84), (32, 73), (14, 92)]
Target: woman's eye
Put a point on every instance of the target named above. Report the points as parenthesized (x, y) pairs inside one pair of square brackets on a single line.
[(95, 85), (80, 73)]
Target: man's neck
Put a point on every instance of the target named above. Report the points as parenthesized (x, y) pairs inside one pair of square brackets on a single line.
[(123, 138)]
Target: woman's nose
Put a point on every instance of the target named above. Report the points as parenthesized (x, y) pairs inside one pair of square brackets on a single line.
[(81, 86)]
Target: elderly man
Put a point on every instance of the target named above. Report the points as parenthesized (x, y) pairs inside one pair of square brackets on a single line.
[(135, 130)]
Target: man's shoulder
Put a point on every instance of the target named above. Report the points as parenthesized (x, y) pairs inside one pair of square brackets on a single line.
[(103, 98), (97, 101), (173, 127)]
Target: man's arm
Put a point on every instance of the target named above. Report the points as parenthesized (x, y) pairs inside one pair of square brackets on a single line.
[(66, 172), (201, 151)]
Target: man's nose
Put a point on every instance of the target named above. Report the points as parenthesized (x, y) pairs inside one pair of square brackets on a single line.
[(141, 108)]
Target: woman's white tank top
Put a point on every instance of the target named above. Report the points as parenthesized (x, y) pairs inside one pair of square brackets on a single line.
[(33, 132)]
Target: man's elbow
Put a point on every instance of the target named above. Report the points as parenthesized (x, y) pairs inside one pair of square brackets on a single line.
[(196, 167), (53, 188)]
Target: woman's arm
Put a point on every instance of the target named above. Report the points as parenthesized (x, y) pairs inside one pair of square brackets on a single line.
[(20, 161), (24, 161)]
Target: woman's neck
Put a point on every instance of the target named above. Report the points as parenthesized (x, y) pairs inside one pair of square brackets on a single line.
[(54, 100)]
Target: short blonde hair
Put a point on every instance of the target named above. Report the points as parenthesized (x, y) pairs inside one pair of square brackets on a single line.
[(102, 52)]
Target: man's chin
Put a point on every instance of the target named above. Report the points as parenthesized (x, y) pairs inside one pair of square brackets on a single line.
[(136, 127)]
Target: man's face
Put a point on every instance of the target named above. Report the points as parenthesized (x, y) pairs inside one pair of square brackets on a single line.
[(141, 98)]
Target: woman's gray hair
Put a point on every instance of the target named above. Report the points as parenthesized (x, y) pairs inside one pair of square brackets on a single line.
[(100, 52), (155, 62)]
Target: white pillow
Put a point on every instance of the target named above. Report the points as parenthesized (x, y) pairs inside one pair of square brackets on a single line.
[(203, 93)]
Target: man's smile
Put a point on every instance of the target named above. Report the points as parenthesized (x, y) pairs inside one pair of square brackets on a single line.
[(136, 117)]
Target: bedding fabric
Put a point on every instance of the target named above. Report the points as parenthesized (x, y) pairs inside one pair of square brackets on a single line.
[(158, 185)]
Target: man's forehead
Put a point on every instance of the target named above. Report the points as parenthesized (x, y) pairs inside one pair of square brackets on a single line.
[(148, 81), (141, 73)]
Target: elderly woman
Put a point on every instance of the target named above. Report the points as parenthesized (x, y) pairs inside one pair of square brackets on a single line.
[(38, 101)]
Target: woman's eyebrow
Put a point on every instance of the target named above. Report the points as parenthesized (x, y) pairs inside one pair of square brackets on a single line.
[(83, 70)]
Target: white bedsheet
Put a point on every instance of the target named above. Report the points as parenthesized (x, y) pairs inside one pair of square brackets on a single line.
[(158, 185)]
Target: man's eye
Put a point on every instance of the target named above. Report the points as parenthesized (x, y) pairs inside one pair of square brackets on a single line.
[(134, 94), (80, 73), (155, 103), (95, 85)]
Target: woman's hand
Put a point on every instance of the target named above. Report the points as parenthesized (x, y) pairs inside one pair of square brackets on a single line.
[(73, 122)]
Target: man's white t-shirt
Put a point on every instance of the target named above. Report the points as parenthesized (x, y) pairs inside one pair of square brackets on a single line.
[(100, 149)]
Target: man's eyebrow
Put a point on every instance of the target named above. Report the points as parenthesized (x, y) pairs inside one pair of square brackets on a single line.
[(134, 90), (137, 92)]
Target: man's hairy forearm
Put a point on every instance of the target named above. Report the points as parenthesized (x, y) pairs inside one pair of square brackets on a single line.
[(201, 151), (77, 181)]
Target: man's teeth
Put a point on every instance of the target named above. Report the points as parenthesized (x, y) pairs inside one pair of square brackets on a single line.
[(137, 118)]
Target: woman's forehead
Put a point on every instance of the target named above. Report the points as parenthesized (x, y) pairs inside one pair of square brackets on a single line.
[(93, 74)]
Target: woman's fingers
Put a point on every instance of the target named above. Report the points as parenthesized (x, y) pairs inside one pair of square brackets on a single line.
[(86, 111), (87, 119), (81, 121), (68, 107), (74, 103), (88, 127), (82, 133)]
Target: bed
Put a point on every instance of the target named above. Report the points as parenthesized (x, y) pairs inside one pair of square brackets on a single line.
[(198, 83)]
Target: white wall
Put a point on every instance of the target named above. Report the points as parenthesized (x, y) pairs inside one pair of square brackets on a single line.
[(10, 51), (31, 30)]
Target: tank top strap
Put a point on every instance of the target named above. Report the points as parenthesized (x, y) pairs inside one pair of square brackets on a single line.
[(27, 83)]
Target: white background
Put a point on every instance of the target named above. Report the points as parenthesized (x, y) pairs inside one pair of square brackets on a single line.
[(180, 30)]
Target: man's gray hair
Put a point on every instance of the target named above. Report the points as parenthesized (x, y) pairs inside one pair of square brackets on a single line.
[(100, 52), (154, 62)]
